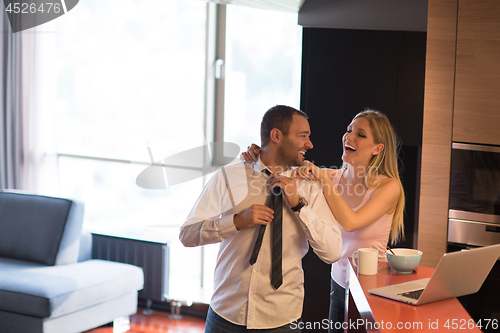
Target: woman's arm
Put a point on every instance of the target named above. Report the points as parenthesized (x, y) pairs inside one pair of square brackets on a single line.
[(383, 201)]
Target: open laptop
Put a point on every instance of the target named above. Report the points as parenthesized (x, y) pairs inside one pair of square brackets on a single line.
[(457, 274)]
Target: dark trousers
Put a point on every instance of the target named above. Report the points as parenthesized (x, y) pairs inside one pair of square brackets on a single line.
[(337, 308), (217, 324)]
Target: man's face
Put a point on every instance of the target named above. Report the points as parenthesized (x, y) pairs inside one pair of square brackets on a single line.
[(296, 143)]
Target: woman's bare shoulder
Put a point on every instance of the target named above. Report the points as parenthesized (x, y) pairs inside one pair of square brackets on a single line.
[(386, 183), (332, 172)]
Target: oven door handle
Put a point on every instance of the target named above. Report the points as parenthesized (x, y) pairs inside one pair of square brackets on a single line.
[(492, 228)]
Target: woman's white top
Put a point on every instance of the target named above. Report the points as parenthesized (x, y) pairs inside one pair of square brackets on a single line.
[(374, 235)]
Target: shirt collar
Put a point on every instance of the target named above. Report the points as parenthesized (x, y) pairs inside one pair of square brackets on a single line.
[(259, 166)]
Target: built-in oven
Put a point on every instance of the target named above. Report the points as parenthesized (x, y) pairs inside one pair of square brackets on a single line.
[(474, 217)]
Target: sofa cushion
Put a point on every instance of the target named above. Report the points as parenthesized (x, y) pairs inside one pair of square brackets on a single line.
[(69, 247), (53, 291), (32, 226)]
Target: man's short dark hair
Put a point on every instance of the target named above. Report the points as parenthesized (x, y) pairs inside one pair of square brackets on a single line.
[(280, 117)]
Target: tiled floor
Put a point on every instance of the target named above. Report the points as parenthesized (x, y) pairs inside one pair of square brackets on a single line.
[(159, 322)]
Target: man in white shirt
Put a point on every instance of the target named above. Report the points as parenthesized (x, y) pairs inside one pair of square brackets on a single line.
[(259, 281)]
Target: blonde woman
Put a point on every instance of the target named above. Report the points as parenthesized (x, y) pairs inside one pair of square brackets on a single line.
[(365, 196)]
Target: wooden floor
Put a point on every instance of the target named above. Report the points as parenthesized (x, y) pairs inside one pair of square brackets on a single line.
[(159, 322)]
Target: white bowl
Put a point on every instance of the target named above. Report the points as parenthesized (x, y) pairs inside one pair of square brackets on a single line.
[(404, 260)]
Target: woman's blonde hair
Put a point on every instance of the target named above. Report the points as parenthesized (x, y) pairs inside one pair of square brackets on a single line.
[(385, 163)]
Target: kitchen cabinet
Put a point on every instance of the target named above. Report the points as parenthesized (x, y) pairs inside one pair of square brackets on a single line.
[(476, 115), (461, 104), (437, 130)]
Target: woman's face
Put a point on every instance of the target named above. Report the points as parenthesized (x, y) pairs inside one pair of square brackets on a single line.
[(358, 143)]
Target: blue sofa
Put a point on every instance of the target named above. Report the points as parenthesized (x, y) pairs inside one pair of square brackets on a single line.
[(48, 283)]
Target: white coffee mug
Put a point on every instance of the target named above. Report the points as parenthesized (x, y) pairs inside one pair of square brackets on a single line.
[(368, 261)]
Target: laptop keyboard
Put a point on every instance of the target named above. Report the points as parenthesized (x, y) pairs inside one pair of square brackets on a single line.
[(415, 294)]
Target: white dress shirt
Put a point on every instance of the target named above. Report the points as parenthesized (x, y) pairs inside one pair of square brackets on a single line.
[(243, 293)]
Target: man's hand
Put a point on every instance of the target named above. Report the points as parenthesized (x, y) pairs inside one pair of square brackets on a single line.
[(253, 215), (289, 187)]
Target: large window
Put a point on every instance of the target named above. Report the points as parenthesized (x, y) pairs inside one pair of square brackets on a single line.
[(132, 87), (263, 56), (127, 82)]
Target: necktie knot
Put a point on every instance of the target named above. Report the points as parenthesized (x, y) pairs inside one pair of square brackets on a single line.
[(275, 190)]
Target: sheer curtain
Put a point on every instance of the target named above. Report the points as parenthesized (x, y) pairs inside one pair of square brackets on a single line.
[(10, 102), (27, 150)]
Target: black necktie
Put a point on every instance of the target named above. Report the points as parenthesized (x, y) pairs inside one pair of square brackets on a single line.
[(276, 204)]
